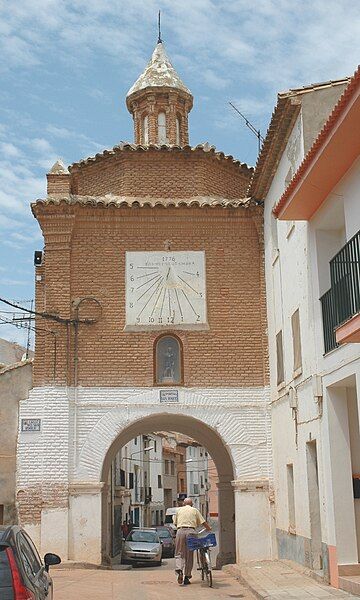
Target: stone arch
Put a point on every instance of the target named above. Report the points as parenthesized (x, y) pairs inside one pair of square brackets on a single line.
[(222, 421), (208, 437), (232, 427)]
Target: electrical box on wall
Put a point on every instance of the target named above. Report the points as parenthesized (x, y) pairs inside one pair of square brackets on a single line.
[(292, 398), (317, 386)]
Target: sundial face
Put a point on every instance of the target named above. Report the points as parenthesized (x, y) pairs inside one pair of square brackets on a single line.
[(165, 290)]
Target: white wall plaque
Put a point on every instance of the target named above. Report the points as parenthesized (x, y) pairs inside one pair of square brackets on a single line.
[(169, 396), (30, 425), (165, 290)]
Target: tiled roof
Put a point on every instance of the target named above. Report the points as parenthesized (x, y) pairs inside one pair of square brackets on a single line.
[(281, 123), (323, 136), (159, 73), (111, 200), (206, 148)]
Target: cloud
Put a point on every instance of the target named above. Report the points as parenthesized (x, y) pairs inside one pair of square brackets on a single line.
[(215, 81), (7, 281), (41, 146), (9, 150)]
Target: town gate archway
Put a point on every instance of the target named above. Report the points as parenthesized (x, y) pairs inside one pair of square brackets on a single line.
[(235, 431), (207, 437)]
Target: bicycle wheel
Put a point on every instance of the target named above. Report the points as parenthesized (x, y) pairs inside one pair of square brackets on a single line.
[(209, 578), (202, 564), (208, 571)]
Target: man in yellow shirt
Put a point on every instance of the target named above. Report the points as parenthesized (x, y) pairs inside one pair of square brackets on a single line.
[(186, 519)]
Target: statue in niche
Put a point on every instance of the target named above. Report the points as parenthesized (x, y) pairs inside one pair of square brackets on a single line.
[(169, 365)]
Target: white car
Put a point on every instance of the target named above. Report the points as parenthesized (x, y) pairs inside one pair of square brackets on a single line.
[(142, 546)]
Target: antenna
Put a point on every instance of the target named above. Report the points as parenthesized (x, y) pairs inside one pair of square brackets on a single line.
[(159, 26), (250, 126)]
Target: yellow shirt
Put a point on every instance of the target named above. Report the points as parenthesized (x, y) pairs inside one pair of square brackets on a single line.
[(188, 516)]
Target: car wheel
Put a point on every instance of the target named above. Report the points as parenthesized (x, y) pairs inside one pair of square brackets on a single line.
[(159, 563)]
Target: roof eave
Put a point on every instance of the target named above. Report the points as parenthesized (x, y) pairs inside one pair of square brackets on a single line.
[(281, 124), (332, 154)]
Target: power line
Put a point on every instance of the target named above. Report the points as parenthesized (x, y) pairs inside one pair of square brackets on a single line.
[(45, 315)]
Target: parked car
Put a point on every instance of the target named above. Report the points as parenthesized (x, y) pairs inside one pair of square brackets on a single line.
[(142, 546), (168, 541), (23, 575)]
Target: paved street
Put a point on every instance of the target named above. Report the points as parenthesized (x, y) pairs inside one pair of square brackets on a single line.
[(145, 583)]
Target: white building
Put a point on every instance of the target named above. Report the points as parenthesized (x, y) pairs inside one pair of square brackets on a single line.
[(197, 477), (138, 480), (315, 424), (156, 478)]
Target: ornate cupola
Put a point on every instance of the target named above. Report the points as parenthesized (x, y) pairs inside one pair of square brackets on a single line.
[(159, 103)]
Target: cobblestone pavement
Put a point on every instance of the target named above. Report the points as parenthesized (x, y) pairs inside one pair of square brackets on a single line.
[(277, 580), (143, 583)]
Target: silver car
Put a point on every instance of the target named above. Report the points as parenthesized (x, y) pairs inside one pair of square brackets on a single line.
[(142, 546)]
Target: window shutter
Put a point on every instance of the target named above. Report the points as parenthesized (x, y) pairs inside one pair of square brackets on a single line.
[(280, 358), (295, 324)]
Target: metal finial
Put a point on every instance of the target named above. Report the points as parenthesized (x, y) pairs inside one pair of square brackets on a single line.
[(159, 25)]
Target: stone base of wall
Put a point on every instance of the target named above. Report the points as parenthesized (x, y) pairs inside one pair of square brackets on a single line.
[(298, 548)]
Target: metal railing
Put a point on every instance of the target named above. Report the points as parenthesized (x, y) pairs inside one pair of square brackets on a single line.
[(345, 280), (329, 321), (342, 300)]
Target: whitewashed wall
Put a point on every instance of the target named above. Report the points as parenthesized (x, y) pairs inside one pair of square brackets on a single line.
[(82, 426)]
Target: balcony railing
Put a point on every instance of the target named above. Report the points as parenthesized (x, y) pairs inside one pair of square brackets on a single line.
[(342, 300), (329, 321), (345, 280)]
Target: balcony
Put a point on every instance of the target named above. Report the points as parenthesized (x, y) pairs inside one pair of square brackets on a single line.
[(341, 303)]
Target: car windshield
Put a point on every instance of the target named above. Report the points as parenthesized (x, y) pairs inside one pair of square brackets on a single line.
[(143, 536), (164, 533)]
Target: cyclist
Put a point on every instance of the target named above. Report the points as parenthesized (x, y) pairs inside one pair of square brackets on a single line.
[(186, 520)]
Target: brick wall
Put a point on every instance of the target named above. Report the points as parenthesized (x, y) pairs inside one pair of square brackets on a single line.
[(90, 260), (160, 174)]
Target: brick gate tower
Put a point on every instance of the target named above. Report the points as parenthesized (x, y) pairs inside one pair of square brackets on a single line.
[(151, 290)]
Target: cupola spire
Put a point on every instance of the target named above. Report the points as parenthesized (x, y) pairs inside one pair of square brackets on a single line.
[(159, 26), (160, 102)]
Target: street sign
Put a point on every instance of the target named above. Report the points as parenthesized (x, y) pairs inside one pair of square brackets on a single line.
[(30, 425)]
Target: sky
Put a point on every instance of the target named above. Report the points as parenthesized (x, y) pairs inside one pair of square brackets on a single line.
[(66, 67)]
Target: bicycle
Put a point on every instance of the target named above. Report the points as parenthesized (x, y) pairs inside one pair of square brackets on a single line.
[(202, 547)]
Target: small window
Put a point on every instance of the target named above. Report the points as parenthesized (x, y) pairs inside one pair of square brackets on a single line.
[(131, 481), (172, 464), (168, 361), (122, 478), (159, 481), (280, 358), (167, 470), (295, 325), (178, 129), (135, 441), (154, 445), (162, 137), (145, 130)]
